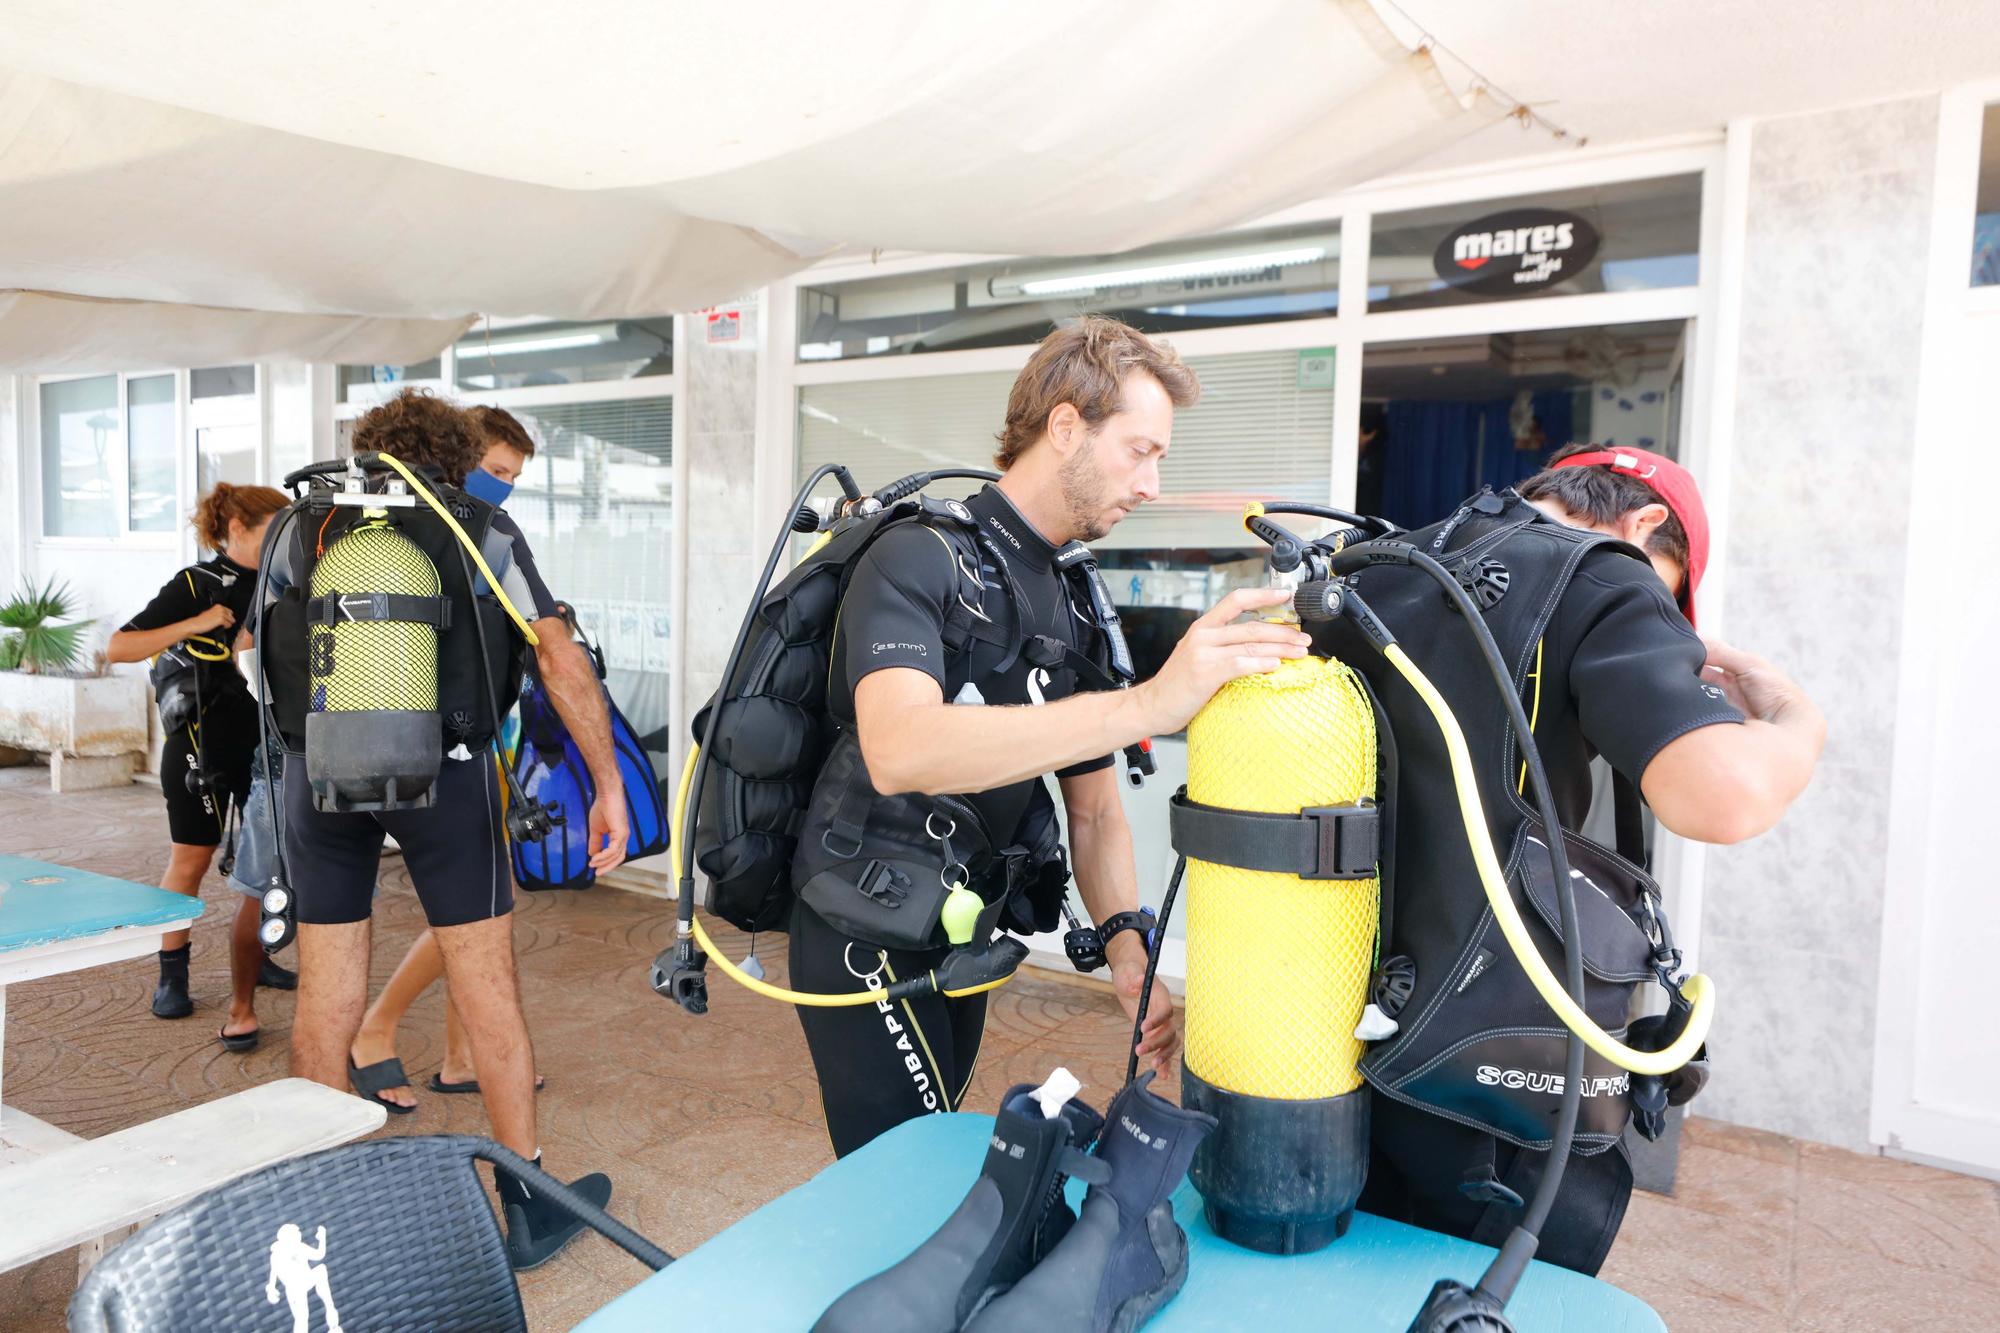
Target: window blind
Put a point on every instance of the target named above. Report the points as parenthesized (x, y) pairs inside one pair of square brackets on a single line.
[(1256, 434), (596, 505)]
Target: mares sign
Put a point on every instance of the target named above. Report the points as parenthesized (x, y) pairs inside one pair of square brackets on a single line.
[(1516, 253)]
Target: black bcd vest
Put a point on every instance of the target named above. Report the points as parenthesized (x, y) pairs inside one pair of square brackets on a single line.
[(1476, 1043)]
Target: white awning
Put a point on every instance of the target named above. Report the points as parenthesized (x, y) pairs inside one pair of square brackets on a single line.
[(406, 166)]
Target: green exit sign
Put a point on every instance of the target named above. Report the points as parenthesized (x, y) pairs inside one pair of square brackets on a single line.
[(1316, 368)]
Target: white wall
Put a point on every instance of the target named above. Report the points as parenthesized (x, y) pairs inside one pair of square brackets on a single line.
[(1833, 282)]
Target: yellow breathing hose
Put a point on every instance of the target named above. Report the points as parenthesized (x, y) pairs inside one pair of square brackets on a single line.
[(1699, 990), (492, 581), (809, 999)]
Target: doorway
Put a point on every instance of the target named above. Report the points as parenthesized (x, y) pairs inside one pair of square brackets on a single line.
[(1442, 417)]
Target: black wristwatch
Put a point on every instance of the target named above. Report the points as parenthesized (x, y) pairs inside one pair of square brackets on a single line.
[(1141, 921)]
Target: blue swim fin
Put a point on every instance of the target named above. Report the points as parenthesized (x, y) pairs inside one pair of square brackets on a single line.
[(549, 767)]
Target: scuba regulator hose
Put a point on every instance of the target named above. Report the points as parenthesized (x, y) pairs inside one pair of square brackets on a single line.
[(679, 971)]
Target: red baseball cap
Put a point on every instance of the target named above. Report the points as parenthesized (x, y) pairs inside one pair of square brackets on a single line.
[(1676, 489)]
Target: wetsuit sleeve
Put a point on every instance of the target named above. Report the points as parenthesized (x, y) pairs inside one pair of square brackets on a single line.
[(1636, 671), (521, 580), (894, 612), (174, 602)]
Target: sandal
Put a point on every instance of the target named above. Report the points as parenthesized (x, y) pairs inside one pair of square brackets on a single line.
[(371, 1081), (437, 1084), (239, 1042)]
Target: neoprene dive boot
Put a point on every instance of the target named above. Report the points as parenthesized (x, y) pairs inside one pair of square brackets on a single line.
[(539, 1228), (1126, 1257), (1013, 1216), (170, 997)]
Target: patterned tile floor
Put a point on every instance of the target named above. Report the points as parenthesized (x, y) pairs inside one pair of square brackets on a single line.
[(698, 1121)]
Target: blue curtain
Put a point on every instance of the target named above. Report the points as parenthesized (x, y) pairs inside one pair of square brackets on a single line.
[(1438, 453)]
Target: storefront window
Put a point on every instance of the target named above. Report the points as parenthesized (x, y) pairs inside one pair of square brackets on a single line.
[(223, 417), (596, 504), (1252, 277), (149, 445), (515, 354), (373, 384), (1630, 236), (1442, 417), (79, 420), (1986, 212)]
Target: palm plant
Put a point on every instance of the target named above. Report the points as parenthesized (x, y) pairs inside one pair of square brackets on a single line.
[(30, 642)]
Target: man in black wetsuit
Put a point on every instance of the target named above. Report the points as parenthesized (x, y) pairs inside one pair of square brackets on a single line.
[(1717, 741), (1088, 422)]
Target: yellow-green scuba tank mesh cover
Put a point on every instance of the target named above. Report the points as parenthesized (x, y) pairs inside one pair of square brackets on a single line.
[(364, 665), (1278, 966)]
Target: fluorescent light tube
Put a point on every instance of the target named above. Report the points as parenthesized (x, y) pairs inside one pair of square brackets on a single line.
[(472, 349), (1168, 272)]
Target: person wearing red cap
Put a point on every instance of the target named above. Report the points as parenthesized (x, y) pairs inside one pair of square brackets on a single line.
[(1710, 783), (1600, 638)]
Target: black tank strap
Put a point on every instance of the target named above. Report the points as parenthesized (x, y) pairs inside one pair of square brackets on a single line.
[(1330, 842), (336, 607), (1631, 826)]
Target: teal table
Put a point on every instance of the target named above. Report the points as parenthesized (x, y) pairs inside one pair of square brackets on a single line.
[(782, 1265), (56, 919)]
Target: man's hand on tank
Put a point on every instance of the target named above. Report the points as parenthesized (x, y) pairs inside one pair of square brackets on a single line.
[(610, 830), (1217, 649)]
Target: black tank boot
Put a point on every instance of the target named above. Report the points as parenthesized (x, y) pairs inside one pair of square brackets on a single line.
[(170, 997), (538, 1228), (273, 977), (1013, 1216), (1126, 1257)]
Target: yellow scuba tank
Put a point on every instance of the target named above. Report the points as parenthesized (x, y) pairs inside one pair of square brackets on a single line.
[(1278, 963), (374, 739)]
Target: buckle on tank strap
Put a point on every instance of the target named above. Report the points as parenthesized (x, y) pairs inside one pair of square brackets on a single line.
[(1348, 841)]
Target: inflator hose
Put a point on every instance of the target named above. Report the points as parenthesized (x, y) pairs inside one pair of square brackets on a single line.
[(1699, 990), (805, 999)]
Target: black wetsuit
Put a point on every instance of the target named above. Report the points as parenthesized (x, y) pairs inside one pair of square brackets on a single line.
[(883, 1064), (223, 737)]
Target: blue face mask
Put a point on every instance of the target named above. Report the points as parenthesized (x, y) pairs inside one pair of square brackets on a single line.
[(483, 485)]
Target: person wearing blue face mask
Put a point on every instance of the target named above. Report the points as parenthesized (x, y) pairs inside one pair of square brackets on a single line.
[(508, 449)]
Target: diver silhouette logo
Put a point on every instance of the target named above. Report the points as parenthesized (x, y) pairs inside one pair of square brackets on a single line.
[(294, 1264)]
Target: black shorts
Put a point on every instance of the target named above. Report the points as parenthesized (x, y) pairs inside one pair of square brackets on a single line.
[(456, 851), (227, 735)]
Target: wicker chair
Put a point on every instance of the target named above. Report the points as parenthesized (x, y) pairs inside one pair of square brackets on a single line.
[(395, 1233)]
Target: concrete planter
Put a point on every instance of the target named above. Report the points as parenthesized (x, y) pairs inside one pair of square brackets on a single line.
[(93, 728)]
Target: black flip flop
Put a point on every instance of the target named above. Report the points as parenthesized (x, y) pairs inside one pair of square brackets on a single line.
[(371, 1081), (437, 1084), (239, 1042)]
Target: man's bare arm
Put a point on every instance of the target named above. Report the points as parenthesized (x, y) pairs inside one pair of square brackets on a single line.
[(1724, 784), (912, 740), (579, 701), (1100, 845)]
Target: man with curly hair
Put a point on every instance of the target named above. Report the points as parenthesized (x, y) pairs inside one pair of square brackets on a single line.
[(454, 849)]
